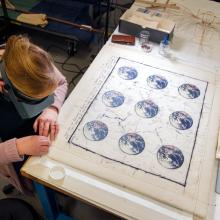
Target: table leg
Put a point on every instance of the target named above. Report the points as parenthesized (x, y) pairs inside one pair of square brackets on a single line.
[(48, 202), (107, 21)]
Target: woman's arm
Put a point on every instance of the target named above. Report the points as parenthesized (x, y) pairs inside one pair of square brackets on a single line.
[(60, 92), (14, 149), (9, 152), (46, 124)]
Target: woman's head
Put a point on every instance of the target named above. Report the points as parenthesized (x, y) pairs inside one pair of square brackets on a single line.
[(29, 68)]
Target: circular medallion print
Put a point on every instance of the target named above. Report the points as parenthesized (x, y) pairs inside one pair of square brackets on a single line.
[(181, 120), (146, 109), (189, 91), (113, 98), (95, 130), (131, 143), (157, 82), (170, 157), (127, 73)]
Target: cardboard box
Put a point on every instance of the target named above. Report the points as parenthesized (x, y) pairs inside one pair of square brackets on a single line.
[(135, 19)]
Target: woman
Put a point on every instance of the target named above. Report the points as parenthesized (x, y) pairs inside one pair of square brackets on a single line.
[(31, 72)]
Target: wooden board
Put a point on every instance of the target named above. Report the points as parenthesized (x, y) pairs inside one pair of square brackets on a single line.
[(194, 194)]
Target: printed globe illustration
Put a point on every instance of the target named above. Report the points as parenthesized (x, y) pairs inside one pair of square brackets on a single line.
[(131, 143), (113, 98), (127, 73), (146, 109), (157, 82), (95, 130), (181, 120), (170, 157), (189, 91)]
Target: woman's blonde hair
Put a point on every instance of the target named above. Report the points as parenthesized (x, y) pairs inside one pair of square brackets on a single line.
[(29, 68)]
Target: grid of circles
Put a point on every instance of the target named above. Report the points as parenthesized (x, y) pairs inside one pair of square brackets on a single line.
[(168, 156)]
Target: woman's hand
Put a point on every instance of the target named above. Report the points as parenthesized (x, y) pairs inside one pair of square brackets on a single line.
[(1, 85), (33, 145), (46, 123)]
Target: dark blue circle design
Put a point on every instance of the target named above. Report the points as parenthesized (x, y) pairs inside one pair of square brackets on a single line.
[(189, 91), (95, 130), (131, 143), (113, 98), (181, 120), (146, 109), (157, 82), (127, 73), (170, 157)]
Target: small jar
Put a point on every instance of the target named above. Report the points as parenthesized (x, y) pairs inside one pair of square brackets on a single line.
[(144, 37)]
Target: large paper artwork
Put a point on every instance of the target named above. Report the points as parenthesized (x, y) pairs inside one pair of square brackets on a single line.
[(145, 118)]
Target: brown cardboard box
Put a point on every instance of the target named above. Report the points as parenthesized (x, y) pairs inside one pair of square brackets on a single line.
[(135, 19)]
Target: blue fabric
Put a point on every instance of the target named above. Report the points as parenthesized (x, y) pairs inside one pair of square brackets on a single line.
[(69, 10)]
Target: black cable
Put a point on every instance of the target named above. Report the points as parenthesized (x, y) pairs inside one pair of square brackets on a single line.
[(70, 64), (83, 70), (64, 64), (55, 47)]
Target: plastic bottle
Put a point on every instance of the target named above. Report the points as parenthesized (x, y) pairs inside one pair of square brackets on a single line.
[(164, 49)]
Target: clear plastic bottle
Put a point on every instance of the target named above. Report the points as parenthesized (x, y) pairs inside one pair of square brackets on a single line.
[(164, 49)]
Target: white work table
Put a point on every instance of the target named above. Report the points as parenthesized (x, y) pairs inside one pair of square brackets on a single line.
[(107, 195)]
